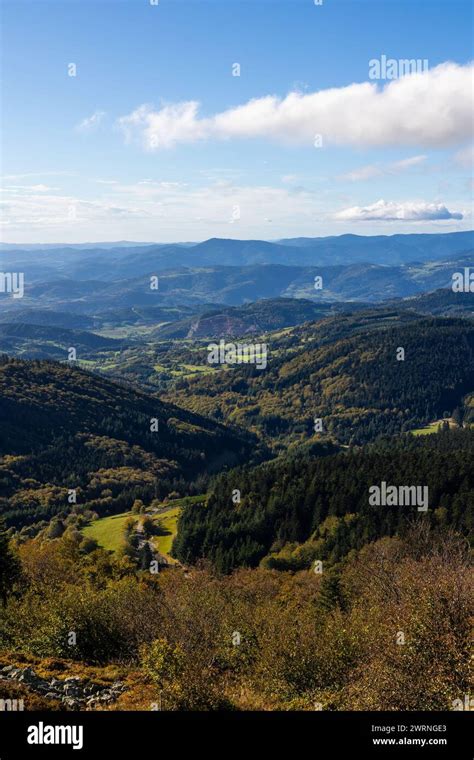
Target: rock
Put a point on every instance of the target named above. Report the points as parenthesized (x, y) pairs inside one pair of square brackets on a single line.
[(69, 702), (72, 691), (29, 676), (43, 686), (92, 688)]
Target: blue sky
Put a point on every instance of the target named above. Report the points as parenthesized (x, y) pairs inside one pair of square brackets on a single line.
[(155, 139)]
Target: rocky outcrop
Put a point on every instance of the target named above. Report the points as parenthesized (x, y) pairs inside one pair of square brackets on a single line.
[(72, 692)]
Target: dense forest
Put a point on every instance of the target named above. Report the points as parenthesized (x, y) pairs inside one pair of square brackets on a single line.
[(303, 509)]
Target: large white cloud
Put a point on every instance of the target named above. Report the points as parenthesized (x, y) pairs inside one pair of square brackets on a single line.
[(432, 109), (392, 211)]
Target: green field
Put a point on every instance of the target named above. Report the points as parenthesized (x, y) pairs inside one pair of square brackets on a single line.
[(169, 520), (108, 531), (432, 427)]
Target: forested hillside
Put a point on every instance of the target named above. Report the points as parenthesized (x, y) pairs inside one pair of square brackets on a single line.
[(254, 318), (317, 508), (344, 371), (63, 428)]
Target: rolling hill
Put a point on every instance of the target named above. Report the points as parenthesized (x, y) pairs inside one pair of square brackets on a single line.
[(344, 370), (63, 428), (234, 286), (253, 318), (31, 341)]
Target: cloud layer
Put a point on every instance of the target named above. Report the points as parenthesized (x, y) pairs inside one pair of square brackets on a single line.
[(167, 211), (432, 109), (391, 211)]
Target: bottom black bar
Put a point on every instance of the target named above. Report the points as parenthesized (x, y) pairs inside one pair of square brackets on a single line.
[(151, 734)]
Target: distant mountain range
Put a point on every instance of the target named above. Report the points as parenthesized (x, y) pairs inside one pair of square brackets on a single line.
[(106, 261)]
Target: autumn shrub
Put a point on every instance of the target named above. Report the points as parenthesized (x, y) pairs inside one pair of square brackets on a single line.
[(414, 615), (85, 623)]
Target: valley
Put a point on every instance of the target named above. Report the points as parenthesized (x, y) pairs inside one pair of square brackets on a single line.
[(156, 506)]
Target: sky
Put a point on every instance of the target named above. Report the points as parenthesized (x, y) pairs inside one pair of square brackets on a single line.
[(181, 120)]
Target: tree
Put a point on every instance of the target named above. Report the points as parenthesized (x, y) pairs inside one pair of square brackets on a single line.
[(56, 528), (9, 564), (148, 527), (137, 507)]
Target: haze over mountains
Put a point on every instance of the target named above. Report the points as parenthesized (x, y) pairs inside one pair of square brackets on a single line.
[(133, 259), (89, 282)]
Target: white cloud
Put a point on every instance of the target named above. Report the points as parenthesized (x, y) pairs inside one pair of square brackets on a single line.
[(392, 211), (433, 108), (376, 170), (159, 210), (172, 211), (163, 129), (91, 122)]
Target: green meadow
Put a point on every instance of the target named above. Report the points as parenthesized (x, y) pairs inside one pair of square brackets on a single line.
[(433, 427), (108, 531)]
